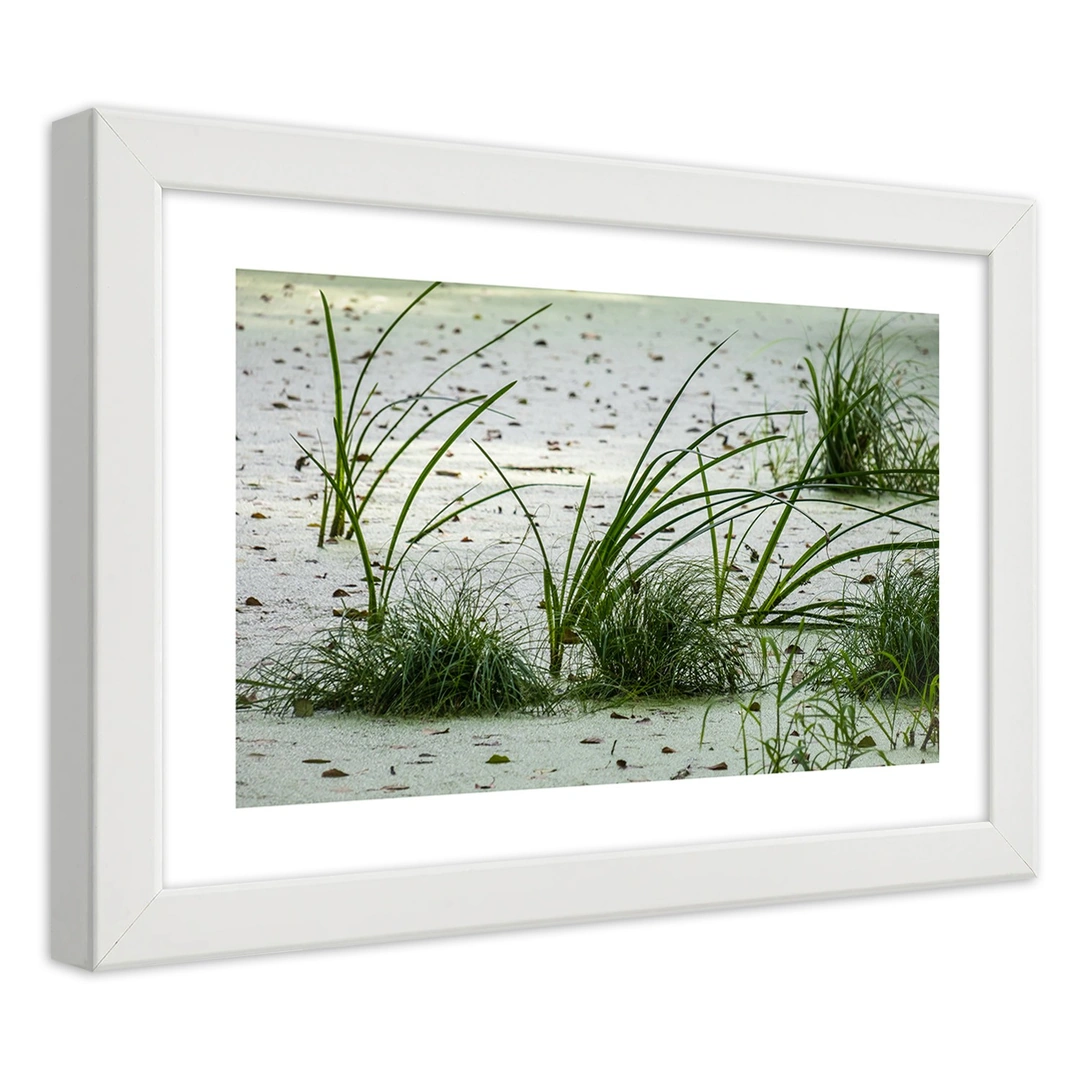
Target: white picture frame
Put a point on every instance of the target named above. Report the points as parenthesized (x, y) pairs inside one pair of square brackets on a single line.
[(109, 906)]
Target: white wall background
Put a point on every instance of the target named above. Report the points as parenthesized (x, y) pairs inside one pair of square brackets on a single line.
[(973, 982)]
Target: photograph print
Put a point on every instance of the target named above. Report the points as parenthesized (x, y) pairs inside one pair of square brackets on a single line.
[(493, 538)]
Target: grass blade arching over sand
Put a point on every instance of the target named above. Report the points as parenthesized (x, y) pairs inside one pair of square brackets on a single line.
[(592, 564), (342, 482)]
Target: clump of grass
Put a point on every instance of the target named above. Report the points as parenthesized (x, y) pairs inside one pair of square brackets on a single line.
[(873, 417), (892, 644), (658, 635), (439, 653), (807, 725)]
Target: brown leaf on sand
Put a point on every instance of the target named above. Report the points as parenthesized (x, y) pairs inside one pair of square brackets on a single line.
[(339, 592), (592, 739), (797, 677), (350, 613), (484, 787), (717, 768), (867, 579), (667, 750), (793, 650), (447, 472), (316, 761), (621, 763), (252, 602), (261, 517), (618, 716), (435, 731), (392, 787), (334, 772)]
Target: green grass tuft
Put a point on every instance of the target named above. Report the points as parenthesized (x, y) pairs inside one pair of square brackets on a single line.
[(437, 654), (658, 635), (892, 646), (877, 423)]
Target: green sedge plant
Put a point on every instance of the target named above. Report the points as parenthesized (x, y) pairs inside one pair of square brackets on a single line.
[(876, 420), (439, 652), (356, 449)]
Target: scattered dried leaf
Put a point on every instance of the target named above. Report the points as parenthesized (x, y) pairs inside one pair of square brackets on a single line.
[(316, 761), (592, 739), (717, 768), (435, 731), (334, 773)]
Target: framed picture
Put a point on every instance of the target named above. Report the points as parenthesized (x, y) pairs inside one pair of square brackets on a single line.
[(439, 496)]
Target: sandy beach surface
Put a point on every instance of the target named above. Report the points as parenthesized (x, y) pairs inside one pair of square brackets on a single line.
[(592, 375)]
